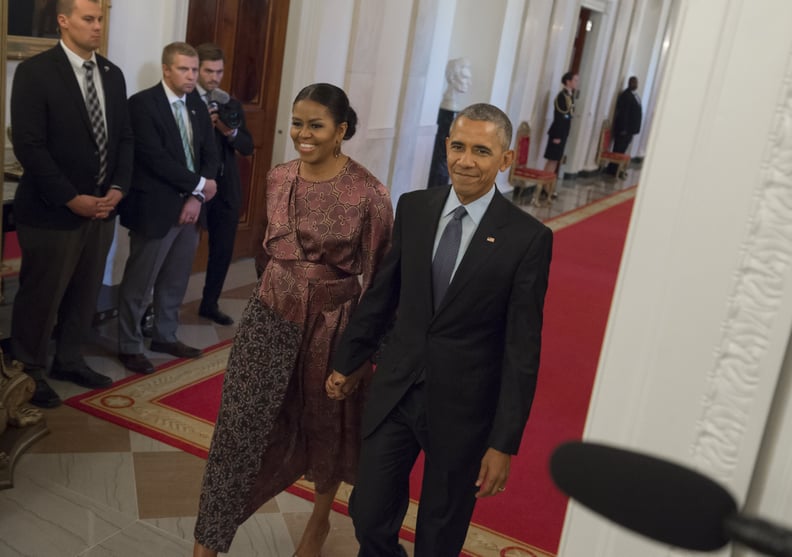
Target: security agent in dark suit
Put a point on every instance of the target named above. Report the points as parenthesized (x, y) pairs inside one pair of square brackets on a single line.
[(626, 120), (175, 165), (222, 213), (457, 375), (72, 135)]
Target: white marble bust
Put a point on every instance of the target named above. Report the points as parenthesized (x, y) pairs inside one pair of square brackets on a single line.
[(458, 76)]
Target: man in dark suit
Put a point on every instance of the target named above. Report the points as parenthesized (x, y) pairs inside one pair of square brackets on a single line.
[(175, 166), (222, 213), (457, 374), (72, 135), (626, 120)]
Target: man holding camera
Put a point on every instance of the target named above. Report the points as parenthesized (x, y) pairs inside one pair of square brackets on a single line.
[(222, 213)]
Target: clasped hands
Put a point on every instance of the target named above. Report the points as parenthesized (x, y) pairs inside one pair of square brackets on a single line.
[(338, 386), (94, 207)]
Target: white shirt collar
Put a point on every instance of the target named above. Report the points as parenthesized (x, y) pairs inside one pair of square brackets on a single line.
[(75, 59), (173, 97), (475, 209)]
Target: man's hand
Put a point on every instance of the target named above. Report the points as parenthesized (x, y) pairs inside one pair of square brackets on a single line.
[(210, 189), (220, 125), (89, 206), (556, 141), (338, 386), (190, 211), (493, 473), (111, 199)]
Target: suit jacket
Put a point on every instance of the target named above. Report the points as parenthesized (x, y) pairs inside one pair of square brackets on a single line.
[(53, 138), (628, 114), (479, 352), (229, 186), (161, 181)]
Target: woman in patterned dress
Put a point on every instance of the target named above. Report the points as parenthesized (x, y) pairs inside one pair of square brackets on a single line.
[(329, 225)]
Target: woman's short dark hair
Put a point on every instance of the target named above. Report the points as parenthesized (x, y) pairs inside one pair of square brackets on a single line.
[(335, 100)]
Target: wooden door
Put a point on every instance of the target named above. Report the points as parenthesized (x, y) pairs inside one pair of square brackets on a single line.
[(252, 34)]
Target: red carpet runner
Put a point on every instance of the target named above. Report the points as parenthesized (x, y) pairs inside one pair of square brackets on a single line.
[(179, 404), (583, 273)]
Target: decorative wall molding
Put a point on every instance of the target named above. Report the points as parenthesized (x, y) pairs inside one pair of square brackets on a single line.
[(757, 297)]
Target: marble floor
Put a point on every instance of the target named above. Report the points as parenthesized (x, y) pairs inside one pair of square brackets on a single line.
[(94, 489)]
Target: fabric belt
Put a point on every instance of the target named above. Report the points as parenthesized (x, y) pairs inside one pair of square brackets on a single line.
[(312, 271)]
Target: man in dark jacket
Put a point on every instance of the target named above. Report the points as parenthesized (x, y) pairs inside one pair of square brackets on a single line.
[(626, 120), (222, 213), (175, 166), (72, 136), (465, 280)]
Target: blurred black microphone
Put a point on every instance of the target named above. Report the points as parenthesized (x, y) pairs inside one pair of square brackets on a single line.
[(218, 95), (660, 500), (217, 100)]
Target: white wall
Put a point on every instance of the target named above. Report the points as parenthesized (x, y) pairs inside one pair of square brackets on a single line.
[(317, 49), (138, 31), (476, 36), (440, 55), (390, 65)]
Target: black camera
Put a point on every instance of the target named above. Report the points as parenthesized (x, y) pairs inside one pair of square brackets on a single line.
[(229, 115)]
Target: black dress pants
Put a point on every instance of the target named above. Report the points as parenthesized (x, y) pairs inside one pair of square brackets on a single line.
[(221, 223), (59, 281), (621, 143), (380, 498)]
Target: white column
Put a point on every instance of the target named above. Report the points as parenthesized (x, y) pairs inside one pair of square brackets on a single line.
[(702, 311), (528, 70)]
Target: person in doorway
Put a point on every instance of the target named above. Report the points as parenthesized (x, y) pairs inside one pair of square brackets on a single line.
[(626, 120), (329, 226), (563, 112), (175, 166), (465, 282), (72, 135), (222, 213)]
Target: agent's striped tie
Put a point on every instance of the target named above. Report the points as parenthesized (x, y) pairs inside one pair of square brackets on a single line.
[(97, 119)]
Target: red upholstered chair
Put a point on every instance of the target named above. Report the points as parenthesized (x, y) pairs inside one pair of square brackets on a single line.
[(521, 176), (606, 156)]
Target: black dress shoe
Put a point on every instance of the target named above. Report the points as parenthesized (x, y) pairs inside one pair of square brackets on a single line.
[(216, 315), (44, 396), (178, 349), (137, 363), (83, 376)]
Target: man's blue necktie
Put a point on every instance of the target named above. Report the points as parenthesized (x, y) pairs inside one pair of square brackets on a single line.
[(446, 255), (177, 113)]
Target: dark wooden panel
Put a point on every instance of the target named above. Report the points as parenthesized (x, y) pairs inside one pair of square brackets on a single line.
[(252, 34), (202, 21), (250, 50)]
